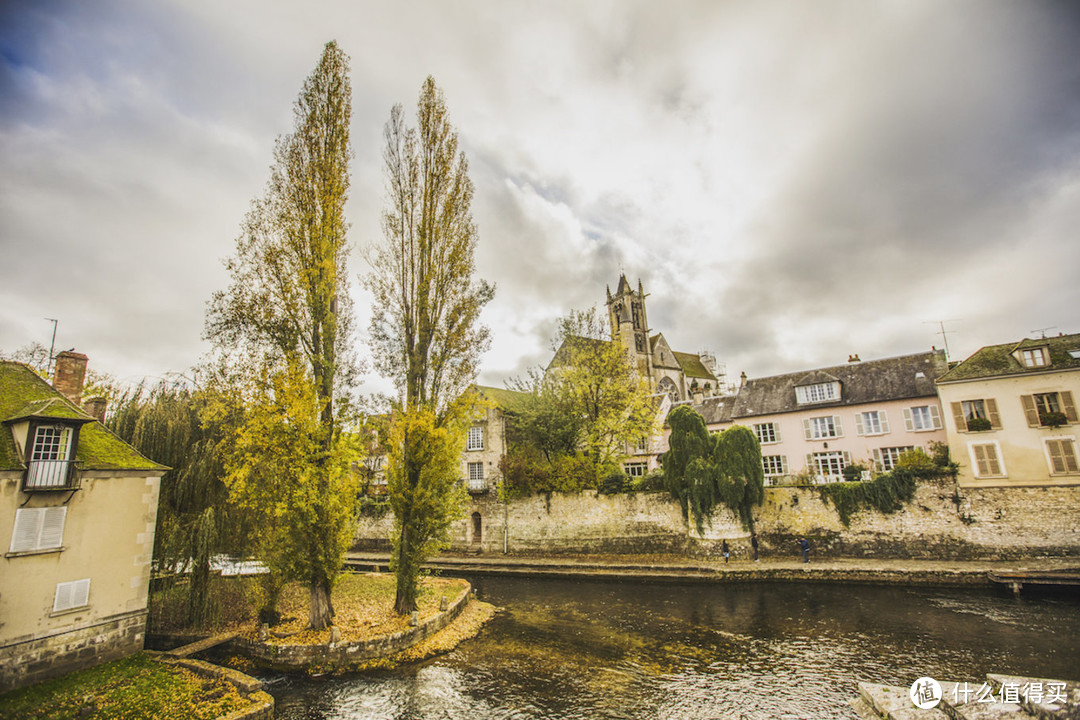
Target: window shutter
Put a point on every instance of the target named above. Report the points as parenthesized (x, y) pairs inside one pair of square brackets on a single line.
[(81, 592), (1068, 452), (1057, 457), (783, 464), (776, 432), (1068, 406), (807, 433), (810, 466), (839, 427), (847, 458), (992, 413), (884, 417), (1030, 411), (909, 423), (52, 528), (935, 417), (980, 460), (27, 529), (71, 595), (958, 417), (859, 428)]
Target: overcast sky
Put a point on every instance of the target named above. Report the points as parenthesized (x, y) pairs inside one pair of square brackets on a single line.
[(793, 182)]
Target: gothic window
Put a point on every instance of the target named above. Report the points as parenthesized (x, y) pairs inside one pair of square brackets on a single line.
[(667, 385), (636, 309)]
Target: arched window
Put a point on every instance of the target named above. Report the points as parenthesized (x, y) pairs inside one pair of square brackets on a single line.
[(477, 528), (667, 385)]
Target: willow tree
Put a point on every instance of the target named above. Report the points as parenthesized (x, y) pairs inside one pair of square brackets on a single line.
[(288, 307), (425, 329)]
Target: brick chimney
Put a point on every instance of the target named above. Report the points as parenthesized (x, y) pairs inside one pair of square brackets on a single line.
[(95, 407), (70, 374)]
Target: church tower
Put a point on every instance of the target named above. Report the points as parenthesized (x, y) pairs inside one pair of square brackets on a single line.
[(626, 316)]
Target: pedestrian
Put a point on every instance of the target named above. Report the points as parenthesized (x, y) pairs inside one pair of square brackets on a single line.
[(804, 545), (753, 544), (726, 550)]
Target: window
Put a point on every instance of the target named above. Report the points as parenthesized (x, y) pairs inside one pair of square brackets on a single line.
[(38, 529), (820, 392), (875, 422), (822, 427), (828, 465), (635, 469), (642, 444), (986, 460), (774, 465), (1050, 409), (1033, 357), (476, 477), (974, 415), (71, 595), (476, 438), (1061, 452), (50, 456), (887, 458), (767, 433), (922, 418)]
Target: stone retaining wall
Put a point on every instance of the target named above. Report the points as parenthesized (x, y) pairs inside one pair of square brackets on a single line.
[(262, 703), (346, 655), (36, 659)]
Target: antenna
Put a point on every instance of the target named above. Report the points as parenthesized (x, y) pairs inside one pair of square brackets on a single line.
[(944, 336), (52, 345), (1042, 331)]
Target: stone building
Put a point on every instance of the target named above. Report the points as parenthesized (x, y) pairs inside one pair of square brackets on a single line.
[(1010, 413), (78, 507), (817, 422)]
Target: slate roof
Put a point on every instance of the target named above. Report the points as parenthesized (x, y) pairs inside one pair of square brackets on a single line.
[(871, 381), (717, 409), (24, 395), (998, 361)]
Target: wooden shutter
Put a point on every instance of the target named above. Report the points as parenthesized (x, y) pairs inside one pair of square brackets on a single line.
[(859, 427), (52, 528), (980, 460), (847, 458), (776, 432), (877, 460), (992, 413), (838, 428), (1030, 411), (71, 595), (1062, 457), (935, 417), (1068, 406), (909, 423), (27, 529), (883, 416), (811, 466), (808, 433), (958, 417), (987, 460)]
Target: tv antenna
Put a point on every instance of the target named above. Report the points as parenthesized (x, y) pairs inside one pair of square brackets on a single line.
[(942, 333), (1042, 331), (52, 345)]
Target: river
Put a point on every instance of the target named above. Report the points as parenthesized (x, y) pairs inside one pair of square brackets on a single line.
[(562, 649)]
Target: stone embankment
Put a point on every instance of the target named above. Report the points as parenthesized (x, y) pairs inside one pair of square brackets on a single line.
[(679, 569), (999, 696)]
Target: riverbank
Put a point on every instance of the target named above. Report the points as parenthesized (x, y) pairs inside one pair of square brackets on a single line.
[(681, 569)]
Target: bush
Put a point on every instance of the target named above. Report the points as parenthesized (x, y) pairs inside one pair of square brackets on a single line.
[(653, 482), (854, 472), (978, 424), (615, 481)]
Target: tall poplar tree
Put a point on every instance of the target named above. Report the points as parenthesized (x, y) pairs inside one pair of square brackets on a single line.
[(288, 311), (425, 329)]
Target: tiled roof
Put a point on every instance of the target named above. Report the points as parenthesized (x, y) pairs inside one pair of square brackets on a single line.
[(692, 366), (24, 395), (717, 409), (998, 360)]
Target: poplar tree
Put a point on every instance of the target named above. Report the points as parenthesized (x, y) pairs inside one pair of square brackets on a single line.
[(287, 314), (425, 329)]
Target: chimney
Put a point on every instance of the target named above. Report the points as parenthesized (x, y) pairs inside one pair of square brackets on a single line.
[(95, 407), (70, 373)]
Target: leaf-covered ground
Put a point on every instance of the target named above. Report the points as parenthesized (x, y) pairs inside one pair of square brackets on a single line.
[(135, 688)]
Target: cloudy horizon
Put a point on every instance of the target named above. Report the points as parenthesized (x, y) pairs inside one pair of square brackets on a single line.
[(792, 183)]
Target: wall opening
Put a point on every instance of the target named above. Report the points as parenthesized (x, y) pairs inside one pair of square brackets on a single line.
[(477, 528)]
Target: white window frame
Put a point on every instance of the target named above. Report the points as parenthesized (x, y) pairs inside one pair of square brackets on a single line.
[(476, 476), (774, 465), (476, 438), (71, 595), (813, 426), (886, 458), (767, 433), (917, 417), (817, 393), (872, 422), (827, 460), (38, 529), (635, 469), (997, 456), (1070, 441)]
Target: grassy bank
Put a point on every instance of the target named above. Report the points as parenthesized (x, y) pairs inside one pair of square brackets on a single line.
[(135, 688)]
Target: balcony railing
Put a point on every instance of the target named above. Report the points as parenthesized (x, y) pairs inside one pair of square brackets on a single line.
[(43, 475), (476, 486)]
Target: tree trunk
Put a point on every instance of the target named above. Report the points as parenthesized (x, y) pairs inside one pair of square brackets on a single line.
[(321, 611), (405, 599)]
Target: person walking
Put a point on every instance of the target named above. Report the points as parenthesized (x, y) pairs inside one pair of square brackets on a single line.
[(753, 544), (804, 545), (726, 550)]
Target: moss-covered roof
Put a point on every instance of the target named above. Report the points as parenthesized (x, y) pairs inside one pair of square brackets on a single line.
[(998, 360), (508, 400), (24, 395), (692, 366)]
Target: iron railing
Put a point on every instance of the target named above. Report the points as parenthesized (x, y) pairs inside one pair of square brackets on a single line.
[(43, 475)]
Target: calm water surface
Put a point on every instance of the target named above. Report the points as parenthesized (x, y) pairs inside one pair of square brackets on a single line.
[(562, 649)]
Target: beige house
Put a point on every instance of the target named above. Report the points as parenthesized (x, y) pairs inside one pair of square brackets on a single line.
[(78, 508), (817, 422), (1010, 413)]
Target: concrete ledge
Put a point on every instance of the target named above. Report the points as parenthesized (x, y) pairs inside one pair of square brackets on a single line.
[(262, 703)]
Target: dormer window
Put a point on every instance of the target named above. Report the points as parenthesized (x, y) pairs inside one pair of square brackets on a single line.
[(1034, 357), (817, 393), (50, 456)]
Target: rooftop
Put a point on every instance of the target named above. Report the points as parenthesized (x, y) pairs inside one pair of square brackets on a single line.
[(999, 360)]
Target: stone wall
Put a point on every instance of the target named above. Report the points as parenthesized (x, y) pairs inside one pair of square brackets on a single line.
[(31, 661), (940, 522)]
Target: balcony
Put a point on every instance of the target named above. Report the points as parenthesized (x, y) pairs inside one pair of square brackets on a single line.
[(476, 486), (50, 475)]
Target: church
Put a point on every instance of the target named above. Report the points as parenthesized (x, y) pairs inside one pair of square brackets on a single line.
[(682, 376)]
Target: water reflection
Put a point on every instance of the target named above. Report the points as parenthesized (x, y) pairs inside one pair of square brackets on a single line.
[(611, 650)]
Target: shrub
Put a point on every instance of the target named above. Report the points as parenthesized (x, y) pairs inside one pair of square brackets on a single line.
[(1053, 419), (853, 473), (978, 424)]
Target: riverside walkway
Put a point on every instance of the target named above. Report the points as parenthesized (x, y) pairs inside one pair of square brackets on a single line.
[(681, 569)]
